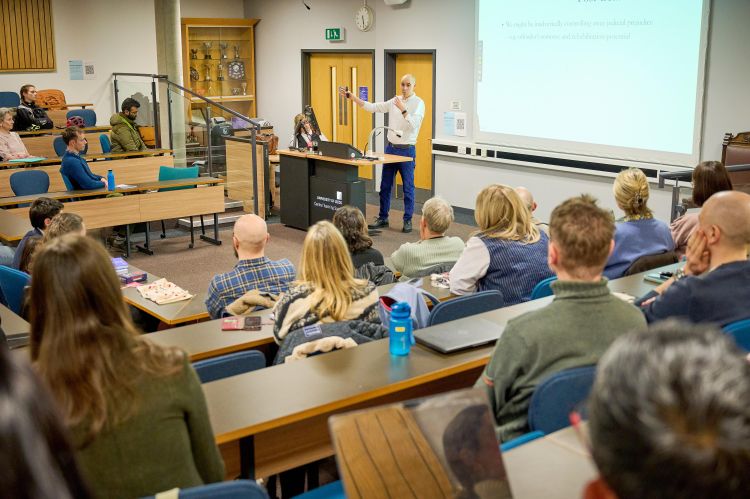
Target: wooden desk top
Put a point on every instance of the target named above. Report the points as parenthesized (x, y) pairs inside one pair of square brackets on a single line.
[(90, 157), (566, 468), (13, 227), (244, 405), (13, 324), (143, 187), (172, 314), (382, 158), (59, 131)]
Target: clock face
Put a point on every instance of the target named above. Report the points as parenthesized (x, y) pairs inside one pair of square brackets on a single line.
[(364, 18)]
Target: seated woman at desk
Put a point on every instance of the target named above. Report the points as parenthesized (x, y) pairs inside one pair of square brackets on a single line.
[(305, 136), (11, 145), (74, 166)]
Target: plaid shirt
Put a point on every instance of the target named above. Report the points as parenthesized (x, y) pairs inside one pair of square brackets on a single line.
[(263, 274)]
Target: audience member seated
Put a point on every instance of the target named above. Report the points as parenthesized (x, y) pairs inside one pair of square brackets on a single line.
[(528, 200), (304, 135), (327, 290), (37, 459), (668, 416), (572, 331), (253, 271), (27, 254), (62, 224), (73, 164), (136, 411), (350, 221), (709, 177), (639, 233), (433, 247), (715, 283), (508, 252), (28, 115), (11, 145), (41, 213), (125, 135)]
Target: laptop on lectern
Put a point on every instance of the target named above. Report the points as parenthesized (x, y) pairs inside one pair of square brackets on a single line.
[(339, 150)]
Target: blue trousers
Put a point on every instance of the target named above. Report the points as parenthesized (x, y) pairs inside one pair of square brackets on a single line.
[(406, 170)]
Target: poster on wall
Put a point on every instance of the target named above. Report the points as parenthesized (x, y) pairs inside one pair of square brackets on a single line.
[(75, 68)]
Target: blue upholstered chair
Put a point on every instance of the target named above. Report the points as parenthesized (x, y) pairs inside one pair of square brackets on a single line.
[(519, 441), (543, 288), (12, 283), (28, 182), (557, 396), (464, 306), (105, 142), (61, 147), (9, 99), (228, 365), (176, 173), (333, 490), (740, 332), (236, 489), (88, 115)]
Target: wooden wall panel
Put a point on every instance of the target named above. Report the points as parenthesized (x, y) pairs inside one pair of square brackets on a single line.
[(27, 41)]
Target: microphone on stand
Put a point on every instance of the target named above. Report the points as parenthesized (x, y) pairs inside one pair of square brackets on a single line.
[(398, 133)]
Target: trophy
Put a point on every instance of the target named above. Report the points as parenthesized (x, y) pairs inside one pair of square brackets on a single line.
[(244, 88), (220, 69), (207, 48), (207, 68), (236, 51), (193, 53), (224, 46), (236, 91)]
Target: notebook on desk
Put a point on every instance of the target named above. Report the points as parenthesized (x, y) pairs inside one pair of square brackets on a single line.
[(459, 335)]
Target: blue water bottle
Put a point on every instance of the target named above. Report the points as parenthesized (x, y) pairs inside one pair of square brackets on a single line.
[(400, 332), (110, 180)]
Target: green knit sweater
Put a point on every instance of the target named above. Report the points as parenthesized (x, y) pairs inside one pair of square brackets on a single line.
[(167, 443), (573, 331), (412, 258)]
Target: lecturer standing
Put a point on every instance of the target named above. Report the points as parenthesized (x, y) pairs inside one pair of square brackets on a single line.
[(405, 113)]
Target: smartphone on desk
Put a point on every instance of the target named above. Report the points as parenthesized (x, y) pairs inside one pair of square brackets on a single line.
[(241, 324)]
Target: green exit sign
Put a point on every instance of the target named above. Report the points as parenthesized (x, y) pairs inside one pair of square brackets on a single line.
[(335, 34)]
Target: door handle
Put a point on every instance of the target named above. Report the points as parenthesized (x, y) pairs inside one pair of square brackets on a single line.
[(354, 108), (334, 102)]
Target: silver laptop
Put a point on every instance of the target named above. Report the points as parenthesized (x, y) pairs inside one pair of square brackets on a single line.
[(459, 335)]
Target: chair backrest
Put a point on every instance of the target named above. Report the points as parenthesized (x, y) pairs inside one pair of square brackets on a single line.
[(51, 98), (178, 173), (543, 288), (9, 99), (106, 144), (464, 306), (557, 396), (27, 182), (236, 489), (88, 115), (68, 183), (12, 283), (740, 332), (648, 262), (228, 365), (59, 145), (435, 269)]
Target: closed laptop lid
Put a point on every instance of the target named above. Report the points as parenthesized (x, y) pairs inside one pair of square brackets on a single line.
[(459, 335)]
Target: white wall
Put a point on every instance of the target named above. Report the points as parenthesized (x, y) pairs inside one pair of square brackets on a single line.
[(448, 26), (118, 36)]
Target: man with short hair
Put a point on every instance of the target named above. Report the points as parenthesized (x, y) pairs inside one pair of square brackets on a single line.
[(28, 115), (714, 286), (405, 114), (433, 247), (41, 212), (74, 166), (254, 271), (528, 200), (125, 135), (668, 416), (572, 331)]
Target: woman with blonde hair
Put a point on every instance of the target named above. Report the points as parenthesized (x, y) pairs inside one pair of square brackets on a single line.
[(638, 233), (135, 410), (508, 252), (326, 290), (305, 136), (11, 145)]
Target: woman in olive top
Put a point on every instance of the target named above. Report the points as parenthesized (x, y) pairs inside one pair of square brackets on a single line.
[(136, 412)]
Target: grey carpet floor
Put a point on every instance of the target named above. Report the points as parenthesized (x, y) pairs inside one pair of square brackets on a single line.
[(193, 269)]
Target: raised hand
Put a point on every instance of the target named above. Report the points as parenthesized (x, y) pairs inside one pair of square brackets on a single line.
[(698, 255)]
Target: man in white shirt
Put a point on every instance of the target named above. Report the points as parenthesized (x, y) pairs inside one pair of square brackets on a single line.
[(405, 113)]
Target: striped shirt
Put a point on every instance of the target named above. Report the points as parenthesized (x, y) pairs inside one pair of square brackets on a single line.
[(412, 258), (512, 267), (263, 274)]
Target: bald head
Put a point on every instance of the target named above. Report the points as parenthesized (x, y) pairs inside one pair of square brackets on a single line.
[(250, 235), (526, 197), (730, 212)]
